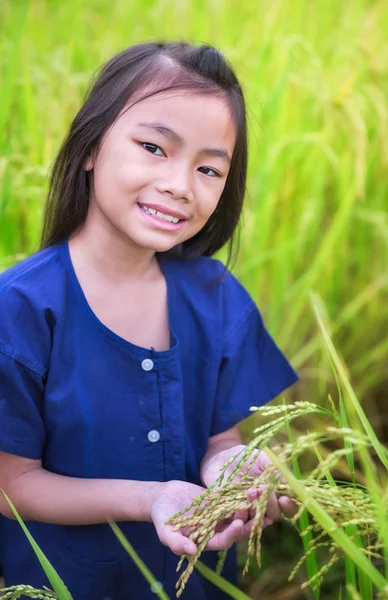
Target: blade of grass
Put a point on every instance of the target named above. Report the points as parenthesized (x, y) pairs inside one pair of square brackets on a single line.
[(138, 561), (350, 530), (304, 523), (344, 423), (369, 468), (57, 584), (220, 582), (380, 451), (208, 573)]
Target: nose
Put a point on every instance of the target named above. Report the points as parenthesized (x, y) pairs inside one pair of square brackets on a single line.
[(177, 181)]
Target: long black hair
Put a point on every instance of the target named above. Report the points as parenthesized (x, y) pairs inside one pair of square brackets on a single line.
[(153, 68)]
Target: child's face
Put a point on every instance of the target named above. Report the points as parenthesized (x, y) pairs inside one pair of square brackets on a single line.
[(139, 169)]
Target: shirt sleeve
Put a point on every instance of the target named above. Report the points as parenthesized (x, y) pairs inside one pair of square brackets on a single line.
[(253, 371), (22, 430)]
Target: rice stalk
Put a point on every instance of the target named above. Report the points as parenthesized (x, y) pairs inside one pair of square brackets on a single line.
[(16, 591)]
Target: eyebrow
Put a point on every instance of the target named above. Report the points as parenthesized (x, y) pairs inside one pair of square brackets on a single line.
[(175, 137)]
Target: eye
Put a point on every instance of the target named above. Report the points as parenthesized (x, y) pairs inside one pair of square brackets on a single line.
[(216, 174), (152, 146)]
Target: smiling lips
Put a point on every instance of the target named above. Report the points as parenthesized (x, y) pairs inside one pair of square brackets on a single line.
[(163, 212), (163, 216)]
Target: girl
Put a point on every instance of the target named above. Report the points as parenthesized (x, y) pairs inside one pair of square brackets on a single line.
[(127, 356)]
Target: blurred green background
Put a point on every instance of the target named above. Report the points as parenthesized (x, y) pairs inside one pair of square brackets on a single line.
[(315, 76)]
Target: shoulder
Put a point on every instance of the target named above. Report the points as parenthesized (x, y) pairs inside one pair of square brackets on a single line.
[(29, 268), (211, 285), (32, 282), (208, 273), (29, 293)]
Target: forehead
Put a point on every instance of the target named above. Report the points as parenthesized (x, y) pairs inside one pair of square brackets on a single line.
[(194, 117)]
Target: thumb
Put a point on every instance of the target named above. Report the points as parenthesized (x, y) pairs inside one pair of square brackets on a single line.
[(177, 542)]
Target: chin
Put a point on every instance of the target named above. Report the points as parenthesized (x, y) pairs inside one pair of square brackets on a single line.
[(156, 246)]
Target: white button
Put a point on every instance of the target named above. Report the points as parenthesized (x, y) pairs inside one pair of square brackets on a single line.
[(147, 364), (153, 435), (156, 587)]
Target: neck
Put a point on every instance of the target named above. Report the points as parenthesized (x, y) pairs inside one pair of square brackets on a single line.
[(110, 254)]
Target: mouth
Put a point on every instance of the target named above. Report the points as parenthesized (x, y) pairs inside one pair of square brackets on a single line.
[(162, 217)]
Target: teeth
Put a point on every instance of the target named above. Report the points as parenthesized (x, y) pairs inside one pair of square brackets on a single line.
[(158, 214)]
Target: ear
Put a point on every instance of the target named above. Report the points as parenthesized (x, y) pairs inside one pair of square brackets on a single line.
[(88, 164)]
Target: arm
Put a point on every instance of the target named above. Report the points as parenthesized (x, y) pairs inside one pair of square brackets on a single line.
[(47, 497), (40, 495)]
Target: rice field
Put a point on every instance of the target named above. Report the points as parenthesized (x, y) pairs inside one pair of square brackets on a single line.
[(316, 216)]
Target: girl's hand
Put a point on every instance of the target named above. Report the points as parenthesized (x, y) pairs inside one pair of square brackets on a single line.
[(275, 507), (173, 496)]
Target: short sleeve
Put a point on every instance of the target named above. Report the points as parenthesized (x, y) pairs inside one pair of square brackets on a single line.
[(22, 431), (253, 371)]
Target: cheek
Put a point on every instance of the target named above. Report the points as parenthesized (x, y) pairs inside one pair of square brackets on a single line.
[(208, 205), (129, 177), (120, 177)]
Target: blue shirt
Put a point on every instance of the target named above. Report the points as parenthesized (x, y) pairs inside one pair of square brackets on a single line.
[(91, 404)]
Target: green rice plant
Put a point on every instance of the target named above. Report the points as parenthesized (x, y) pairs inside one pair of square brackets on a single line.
[(211, 575), (304, 525), (333, 507), (220, 582), (61, 591), (138, 562)]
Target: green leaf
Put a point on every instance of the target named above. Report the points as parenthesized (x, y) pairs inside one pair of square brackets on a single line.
[(369, 467), (304, 523), (350, 567), (220, 582), (138, 561), (379, 448), (57, 584)]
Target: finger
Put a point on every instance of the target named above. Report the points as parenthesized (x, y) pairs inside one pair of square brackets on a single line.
[(252, 513), (177, 542), (267, 521), (287, 506), (247, 528), (245, 531), (261, 463), (241, 514), (222, 525), (254, 493), (225, 539), (273, 509)]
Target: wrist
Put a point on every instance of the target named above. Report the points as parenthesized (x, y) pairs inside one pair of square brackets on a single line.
[(154, 492), (135, 503)]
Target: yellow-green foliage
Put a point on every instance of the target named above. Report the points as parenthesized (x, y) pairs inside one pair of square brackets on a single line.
[(314, 75)]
